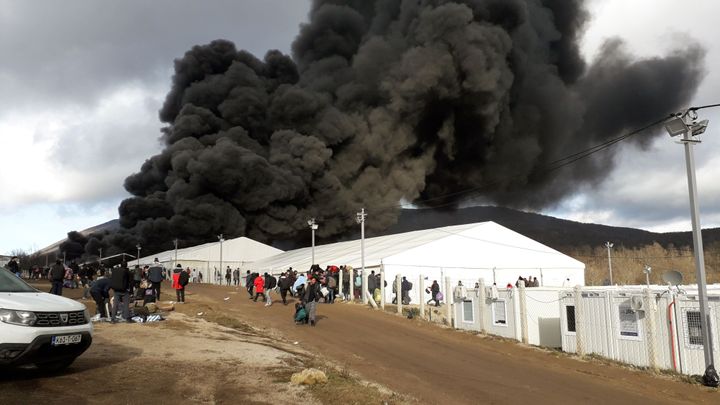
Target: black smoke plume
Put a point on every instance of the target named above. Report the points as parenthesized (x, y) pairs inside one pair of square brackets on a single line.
[(391, 101)]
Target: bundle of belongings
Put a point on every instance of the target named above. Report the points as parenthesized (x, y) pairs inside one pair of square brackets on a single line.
[(301, 315)]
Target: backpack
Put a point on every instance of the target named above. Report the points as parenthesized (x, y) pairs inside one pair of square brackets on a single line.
[(272, 282)]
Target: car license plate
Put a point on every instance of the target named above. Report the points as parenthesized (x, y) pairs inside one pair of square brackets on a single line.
[(66, 340)]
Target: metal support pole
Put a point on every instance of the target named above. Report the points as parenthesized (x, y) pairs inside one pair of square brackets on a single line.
[(523, 312), (382, 287), (398, 293), (421, 291), (482, 298), (351, 276), (361, 220), (698, 247), (448, 302), (579, 327), (340, 284)]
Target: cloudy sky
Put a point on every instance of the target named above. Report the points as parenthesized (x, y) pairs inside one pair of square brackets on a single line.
[(81, 83)]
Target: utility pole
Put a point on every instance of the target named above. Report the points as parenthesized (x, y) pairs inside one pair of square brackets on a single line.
[(138, 255), (609, 246), (360, 218), (647, 270)]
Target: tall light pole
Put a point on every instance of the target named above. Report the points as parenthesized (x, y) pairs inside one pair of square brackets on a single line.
[(360, 218), (313, 227), (686, 124), (609, 246), (647, 270), (138, 256), (221, 239), (175, 241)]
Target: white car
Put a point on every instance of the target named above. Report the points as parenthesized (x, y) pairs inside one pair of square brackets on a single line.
[(40, 329)]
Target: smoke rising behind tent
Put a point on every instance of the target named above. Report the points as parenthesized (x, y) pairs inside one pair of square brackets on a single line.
[(386, 101)]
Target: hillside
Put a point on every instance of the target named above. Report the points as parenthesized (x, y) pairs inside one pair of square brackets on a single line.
[(561, 234)]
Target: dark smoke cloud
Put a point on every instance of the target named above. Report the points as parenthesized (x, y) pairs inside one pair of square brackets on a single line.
[(390, 100)]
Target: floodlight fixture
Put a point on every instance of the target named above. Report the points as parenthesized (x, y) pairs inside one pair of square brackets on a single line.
[(676, 126)]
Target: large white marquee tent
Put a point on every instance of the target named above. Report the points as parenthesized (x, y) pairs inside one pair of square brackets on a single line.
[(462, 252), (236, 253)]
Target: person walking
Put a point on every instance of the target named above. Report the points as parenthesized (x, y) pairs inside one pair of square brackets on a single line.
[(156, 274), (57, 273), (122, 287), (310, 299), (285, 283), (228, 275), (250, 283), (259, 287), (434, 291), (270, 284)]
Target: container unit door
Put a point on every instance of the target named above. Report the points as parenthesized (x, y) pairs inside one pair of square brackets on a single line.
[(568, 328), (594, 323)]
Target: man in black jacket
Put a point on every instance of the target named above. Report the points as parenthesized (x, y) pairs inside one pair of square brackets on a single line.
[(100, 291), (120, 284), (13, 266), (285, 283), (57, 273), (156, 274)]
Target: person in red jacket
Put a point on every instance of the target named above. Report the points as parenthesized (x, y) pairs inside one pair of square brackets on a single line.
[(179, 289), (259, 287)]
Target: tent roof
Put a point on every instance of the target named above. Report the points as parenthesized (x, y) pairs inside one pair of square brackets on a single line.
[(492, 245), (240, 249)]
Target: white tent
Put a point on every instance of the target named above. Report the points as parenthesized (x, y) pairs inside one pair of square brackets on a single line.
[(236, 253), (462, 252)]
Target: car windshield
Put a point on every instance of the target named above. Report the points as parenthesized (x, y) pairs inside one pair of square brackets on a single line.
[(12, 283)]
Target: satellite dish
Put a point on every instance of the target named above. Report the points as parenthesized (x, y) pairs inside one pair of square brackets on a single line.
[(673, 277)]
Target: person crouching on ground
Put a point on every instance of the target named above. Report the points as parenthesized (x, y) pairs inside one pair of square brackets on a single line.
[(259, 287), (100, 292), (310, 299)]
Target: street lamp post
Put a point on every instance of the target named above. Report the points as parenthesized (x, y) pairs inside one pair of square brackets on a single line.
[(313, 227), (647, 270), (175, 241), (686, 124), (138, 255), (609, 246), (360, 217), (221, 239)]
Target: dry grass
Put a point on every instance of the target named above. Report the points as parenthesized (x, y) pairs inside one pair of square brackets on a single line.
[(628, 264)]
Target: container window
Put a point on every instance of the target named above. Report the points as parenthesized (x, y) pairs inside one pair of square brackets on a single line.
[(694, 328), (468, 313), (499, 313), (570, 317)]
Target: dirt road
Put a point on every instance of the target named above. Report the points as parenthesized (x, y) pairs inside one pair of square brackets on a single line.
[(435, 365)]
